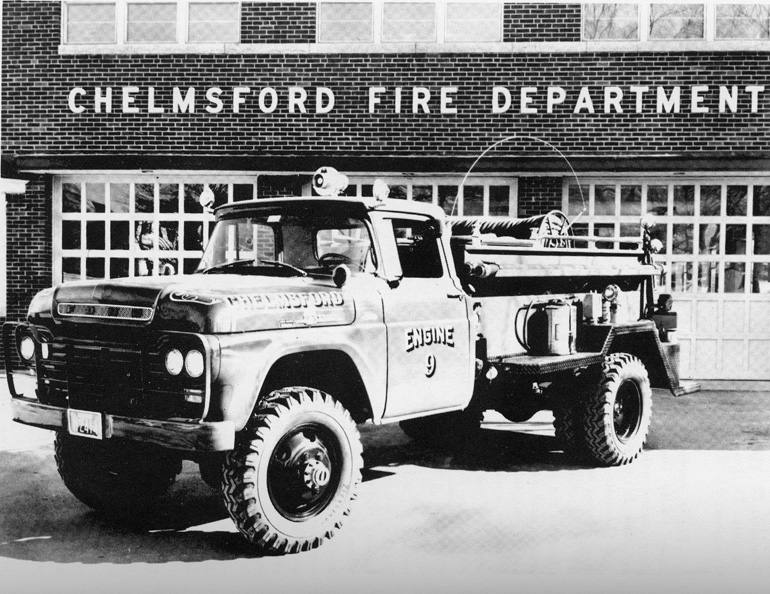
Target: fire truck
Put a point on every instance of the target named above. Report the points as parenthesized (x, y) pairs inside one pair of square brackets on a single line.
[(310, 315)]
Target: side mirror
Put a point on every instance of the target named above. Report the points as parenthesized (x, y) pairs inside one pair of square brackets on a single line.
[(434, 229)]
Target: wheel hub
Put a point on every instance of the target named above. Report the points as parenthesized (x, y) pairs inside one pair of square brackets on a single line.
[(316, 475)]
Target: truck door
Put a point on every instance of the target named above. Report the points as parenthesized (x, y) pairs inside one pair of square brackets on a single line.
[(430, 366)]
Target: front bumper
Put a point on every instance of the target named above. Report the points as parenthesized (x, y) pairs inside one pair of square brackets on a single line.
[(178, 435)]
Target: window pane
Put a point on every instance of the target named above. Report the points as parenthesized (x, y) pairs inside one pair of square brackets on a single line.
[(118, 267), (95, 198), (473, 200), (446, 199), (604, 200), (657, 200), (760, 281), (605, 230), (761, 201), (708, 277), (70, 269), (743, 21), (167, 240), (737, 201), (682, 239), (70, 197), (94, 268), (152, 23), (629, 230), (735, 239), (422, 194), (119, 197), (580, 229), (214, 22), (710, 201), (631, 200), (499, 201), (709, 239), (70, 235), (762, 239), (676, 21), (169, 198), (144, 197), (192, 193), (398, 192), (193, 236), (735, 277), (684, 200), (577, 196), (402, 21), (345, 22), (91, 23), (610, 21), (473, 22), (119, 234), (95, 235), (681, 276), (220, 194)]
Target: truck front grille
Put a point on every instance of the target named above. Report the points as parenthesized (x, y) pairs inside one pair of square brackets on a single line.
[(113, 378), (105, 312)]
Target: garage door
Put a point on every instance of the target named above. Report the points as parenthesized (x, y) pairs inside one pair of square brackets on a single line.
[(716, 233)]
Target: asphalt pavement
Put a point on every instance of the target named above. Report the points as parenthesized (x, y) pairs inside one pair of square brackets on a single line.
[(509, 515)]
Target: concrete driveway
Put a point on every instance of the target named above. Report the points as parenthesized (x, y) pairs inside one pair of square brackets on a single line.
[(512, 515)]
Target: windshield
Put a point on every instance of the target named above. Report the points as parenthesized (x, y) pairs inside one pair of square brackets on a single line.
[(289, 244)]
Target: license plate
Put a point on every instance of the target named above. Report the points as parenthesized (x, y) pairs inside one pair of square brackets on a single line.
[(85, 423)]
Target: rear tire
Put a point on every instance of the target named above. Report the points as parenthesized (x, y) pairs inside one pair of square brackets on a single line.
[(118, 478), (618, 411), (294, 472)]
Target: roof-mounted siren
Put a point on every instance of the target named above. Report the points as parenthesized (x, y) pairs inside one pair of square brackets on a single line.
[(327, 181)]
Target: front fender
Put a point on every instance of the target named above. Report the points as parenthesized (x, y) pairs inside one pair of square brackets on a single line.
[(246, 361)]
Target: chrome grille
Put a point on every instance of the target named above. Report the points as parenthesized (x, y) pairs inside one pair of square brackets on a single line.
[(111, 312)]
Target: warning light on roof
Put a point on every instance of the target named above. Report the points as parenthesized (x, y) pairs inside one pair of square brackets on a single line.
[(327, 181)]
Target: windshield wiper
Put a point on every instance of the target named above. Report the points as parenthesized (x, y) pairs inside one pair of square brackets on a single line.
[(284, 265), (224, 265)]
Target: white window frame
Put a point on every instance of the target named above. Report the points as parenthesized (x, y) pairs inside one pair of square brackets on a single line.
[(122, 45), (434, 181), (155, 217)]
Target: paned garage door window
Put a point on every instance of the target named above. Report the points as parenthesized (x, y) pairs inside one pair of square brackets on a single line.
[(488, 196), (132, 226), (716, 238)]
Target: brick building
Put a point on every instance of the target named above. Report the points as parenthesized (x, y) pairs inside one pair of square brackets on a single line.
[(117, 114)]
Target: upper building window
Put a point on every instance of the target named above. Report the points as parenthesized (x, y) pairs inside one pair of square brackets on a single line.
[(346, 22), (404, 21), (151, 23), (676, 21), (90, 23), (470, 21), (409, 22), (129, 22), (611, 21), (214, 22), (743, 21)]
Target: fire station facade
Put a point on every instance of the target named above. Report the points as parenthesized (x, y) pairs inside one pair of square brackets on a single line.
[(118, 114)]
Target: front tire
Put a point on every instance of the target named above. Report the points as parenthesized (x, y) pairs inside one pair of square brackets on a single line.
[(618, 411), (118, 478), (293, 474)]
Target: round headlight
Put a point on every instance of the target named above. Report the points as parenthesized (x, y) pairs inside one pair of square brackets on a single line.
[(174, 361), (27, 348), (194, 364)]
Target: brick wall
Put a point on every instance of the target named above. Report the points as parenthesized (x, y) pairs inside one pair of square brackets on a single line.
[(278, 22), (28, 250), (36, 118), (538, 195), (541, 22)]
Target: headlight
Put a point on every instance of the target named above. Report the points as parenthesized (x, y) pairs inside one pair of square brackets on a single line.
[(27, 348), (611, 293), (174, 361), (194, 363)]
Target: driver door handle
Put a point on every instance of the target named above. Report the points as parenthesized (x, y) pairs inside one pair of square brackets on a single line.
[(455, 295)]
